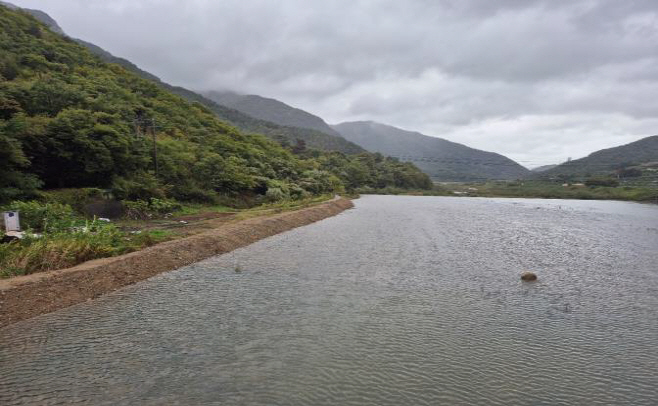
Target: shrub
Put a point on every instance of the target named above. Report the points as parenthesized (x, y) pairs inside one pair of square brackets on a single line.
[(297, 193), (320, 182), (607, 182), (69, 247), (59, 250), (43, 217), (137, 209), (140, 187), (275, 194), (162, 206), (629, 172), (142, 209), (76, 198), (191, 193)]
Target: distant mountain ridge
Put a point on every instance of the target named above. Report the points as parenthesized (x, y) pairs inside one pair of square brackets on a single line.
[(286, 134), (543, 168), (441, 159), (268, 109), (607, 160)]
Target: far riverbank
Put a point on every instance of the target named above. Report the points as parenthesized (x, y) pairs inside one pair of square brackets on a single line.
[(531, 189)]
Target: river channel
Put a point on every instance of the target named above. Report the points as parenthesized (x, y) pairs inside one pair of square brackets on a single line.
[(399, 301)]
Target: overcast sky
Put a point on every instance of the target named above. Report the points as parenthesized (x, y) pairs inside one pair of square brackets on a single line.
[(536, 80)]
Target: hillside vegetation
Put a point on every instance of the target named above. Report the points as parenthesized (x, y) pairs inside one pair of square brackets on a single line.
[(272, 110), (608, 161), (441, 159), (555, 190), (70, 120), (287, 134)]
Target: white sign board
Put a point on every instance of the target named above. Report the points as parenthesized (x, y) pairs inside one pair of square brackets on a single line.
[(12, 223)]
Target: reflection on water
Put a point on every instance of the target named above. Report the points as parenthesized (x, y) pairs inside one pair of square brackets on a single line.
[(403, 300)]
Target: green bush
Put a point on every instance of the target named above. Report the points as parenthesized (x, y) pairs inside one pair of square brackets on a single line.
[(137, 209), (297, 192), (141, 186), (163, 206), (274, 194), (43, 217), (191, 193), (76, 198), (142, 209), (606, 182), (58, 250), (71, 246)]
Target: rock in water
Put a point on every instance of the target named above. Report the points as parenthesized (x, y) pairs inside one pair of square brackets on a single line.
[(528, 277)]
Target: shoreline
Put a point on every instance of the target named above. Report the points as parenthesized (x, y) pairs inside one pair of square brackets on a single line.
[(24, 297)]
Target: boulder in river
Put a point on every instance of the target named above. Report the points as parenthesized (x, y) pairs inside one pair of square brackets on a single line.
[(528, 277)]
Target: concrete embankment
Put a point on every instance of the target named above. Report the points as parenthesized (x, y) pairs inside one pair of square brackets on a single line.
[(31, 295)]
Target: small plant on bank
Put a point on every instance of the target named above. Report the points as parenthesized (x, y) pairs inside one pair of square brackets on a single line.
[(153, 208)]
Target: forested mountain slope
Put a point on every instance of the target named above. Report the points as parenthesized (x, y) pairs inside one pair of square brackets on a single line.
[(39, 15), (441, 159), (272, 110), (606, 161), (286, 134), (69, 119)]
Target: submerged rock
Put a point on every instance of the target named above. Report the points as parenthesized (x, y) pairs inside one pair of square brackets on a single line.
[(528, 276)]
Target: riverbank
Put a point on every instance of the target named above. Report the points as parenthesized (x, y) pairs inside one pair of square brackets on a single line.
[(28, 296), (63, 234), (552, 190)]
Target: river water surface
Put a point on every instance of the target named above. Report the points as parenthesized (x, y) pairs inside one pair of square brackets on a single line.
[(400, 301)]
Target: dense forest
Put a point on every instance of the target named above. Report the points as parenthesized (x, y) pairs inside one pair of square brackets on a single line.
[(70, 120)]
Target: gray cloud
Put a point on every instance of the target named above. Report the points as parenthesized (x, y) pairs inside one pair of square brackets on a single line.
[(538, 80)]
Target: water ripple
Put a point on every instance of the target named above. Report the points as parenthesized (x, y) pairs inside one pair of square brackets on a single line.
[(400, 301)]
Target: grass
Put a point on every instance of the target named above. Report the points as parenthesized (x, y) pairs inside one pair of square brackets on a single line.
[(280, 207), (196, 208), (74, 240), (191, 209), (62, 250)]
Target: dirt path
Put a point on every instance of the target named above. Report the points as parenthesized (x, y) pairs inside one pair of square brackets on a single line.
[(31, 295)]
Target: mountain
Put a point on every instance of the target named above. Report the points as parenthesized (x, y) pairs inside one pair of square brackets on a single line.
[(442, 160), (39, 15), (271, 110), (108, 57), (286, 134), (70, 120), (543, 168), (606, 161)]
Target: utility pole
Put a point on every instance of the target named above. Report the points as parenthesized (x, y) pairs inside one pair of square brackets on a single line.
[(148, 125), (155, 147)]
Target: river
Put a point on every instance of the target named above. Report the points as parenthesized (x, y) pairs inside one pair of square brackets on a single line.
[(399, 301)]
